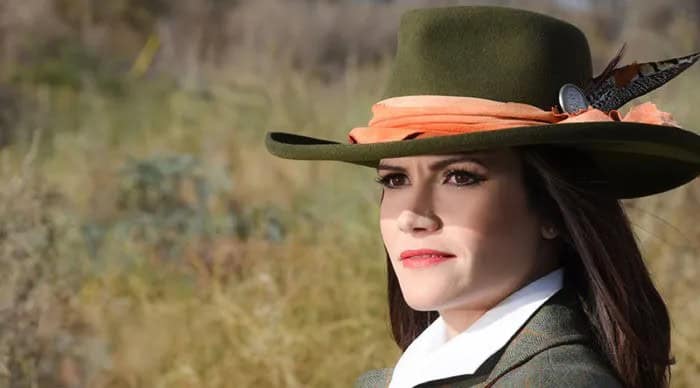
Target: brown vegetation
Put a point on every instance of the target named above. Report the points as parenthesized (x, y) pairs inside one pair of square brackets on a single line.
[(148, 239)]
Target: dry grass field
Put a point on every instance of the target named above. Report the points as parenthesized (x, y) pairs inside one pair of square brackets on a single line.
[(148, 239)]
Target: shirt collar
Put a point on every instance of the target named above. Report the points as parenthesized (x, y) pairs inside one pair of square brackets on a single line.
[(430, 356)]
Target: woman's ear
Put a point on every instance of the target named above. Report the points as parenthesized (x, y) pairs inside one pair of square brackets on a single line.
[(549, 231)]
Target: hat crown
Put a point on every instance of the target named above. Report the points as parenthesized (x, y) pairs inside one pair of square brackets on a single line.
[(497, 53)]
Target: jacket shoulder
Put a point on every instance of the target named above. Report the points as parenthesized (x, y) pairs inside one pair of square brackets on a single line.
[(374, 378), (574, 365)]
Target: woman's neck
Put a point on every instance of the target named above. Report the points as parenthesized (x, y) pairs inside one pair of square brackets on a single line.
[(460, 319)]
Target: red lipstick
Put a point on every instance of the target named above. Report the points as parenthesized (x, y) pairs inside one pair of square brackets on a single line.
[(424, 257)]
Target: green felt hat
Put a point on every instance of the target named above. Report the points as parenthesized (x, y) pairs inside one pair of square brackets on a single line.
[(513, 55)]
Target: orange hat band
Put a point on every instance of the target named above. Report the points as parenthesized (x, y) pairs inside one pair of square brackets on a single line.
[(421, 116)]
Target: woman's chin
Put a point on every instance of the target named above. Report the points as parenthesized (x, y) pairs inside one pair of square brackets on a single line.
[(466, 300), (423, 303)]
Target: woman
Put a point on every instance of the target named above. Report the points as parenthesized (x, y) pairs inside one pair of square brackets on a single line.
[(510, 260)]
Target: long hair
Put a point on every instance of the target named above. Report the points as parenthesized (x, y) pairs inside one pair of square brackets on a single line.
[(603, 264)]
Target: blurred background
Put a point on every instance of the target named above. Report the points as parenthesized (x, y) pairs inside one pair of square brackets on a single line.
[(147, 238)]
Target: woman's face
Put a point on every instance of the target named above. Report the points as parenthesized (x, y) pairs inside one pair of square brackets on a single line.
[(472, 205)]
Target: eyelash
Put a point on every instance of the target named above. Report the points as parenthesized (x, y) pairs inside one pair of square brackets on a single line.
[(476, 178)]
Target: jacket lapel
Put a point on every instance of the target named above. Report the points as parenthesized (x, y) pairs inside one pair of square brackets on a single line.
[(558, 321)]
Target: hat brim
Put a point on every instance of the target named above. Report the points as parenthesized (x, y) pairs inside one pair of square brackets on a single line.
[(637, 159)]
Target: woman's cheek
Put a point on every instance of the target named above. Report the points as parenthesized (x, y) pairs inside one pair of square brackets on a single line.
[(471, 209)]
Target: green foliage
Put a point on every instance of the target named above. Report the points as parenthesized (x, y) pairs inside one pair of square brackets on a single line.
[(139, 14), (64, 62), (164, 203), (136, 181)]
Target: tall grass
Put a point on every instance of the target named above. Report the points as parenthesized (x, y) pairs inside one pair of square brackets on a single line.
[(149, 240)]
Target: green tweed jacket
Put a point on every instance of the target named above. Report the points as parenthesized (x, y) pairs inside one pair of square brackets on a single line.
[(553, 349)]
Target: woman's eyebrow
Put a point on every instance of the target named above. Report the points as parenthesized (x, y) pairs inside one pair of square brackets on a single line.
[(435, 166)]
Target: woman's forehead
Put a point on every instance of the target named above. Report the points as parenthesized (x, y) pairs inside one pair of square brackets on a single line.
[(500, 159)]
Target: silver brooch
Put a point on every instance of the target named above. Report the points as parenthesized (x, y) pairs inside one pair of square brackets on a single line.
[(572, 98)]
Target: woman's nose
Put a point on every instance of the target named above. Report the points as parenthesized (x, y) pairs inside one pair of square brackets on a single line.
[(410, 221), (418, 213)]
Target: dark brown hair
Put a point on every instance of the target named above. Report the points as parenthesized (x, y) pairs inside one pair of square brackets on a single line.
[(603, 264)]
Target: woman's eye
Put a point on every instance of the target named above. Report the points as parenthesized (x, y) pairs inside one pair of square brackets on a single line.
[(463, 178), (390, 180)]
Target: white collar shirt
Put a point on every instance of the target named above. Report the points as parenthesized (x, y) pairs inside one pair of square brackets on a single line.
[(431, 356)]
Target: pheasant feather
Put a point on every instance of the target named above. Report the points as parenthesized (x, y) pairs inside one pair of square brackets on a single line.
[(614, 87), (597, 81)]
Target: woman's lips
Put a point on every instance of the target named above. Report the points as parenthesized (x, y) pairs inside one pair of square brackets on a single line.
[(424, 257), (423, 252)]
